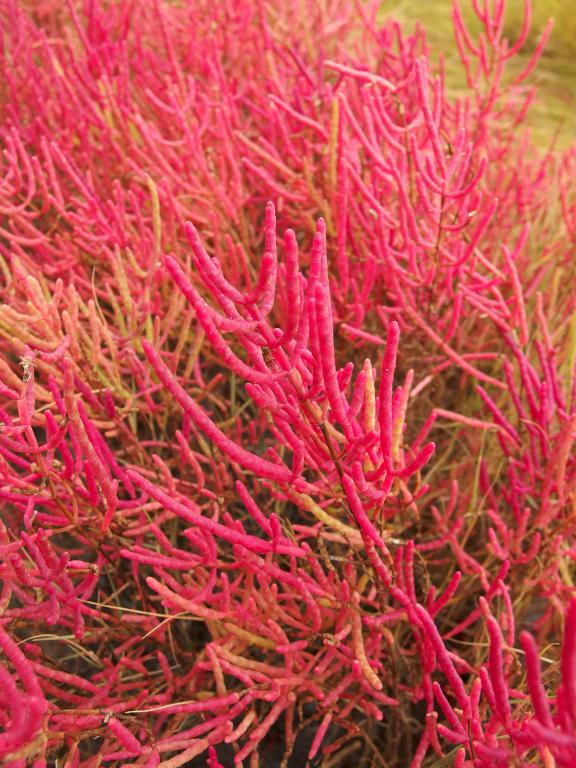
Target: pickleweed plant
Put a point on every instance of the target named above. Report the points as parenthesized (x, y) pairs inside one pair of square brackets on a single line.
[(287, 391)]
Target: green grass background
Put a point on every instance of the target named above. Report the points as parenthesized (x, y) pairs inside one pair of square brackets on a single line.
[(553, 117)]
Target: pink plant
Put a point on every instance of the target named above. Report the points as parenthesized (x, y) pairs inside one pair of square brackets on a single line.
[(227, 535)]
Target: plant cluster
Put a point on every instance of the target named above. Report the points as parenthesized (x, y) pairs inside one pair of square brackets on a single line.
[(287, 392)]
